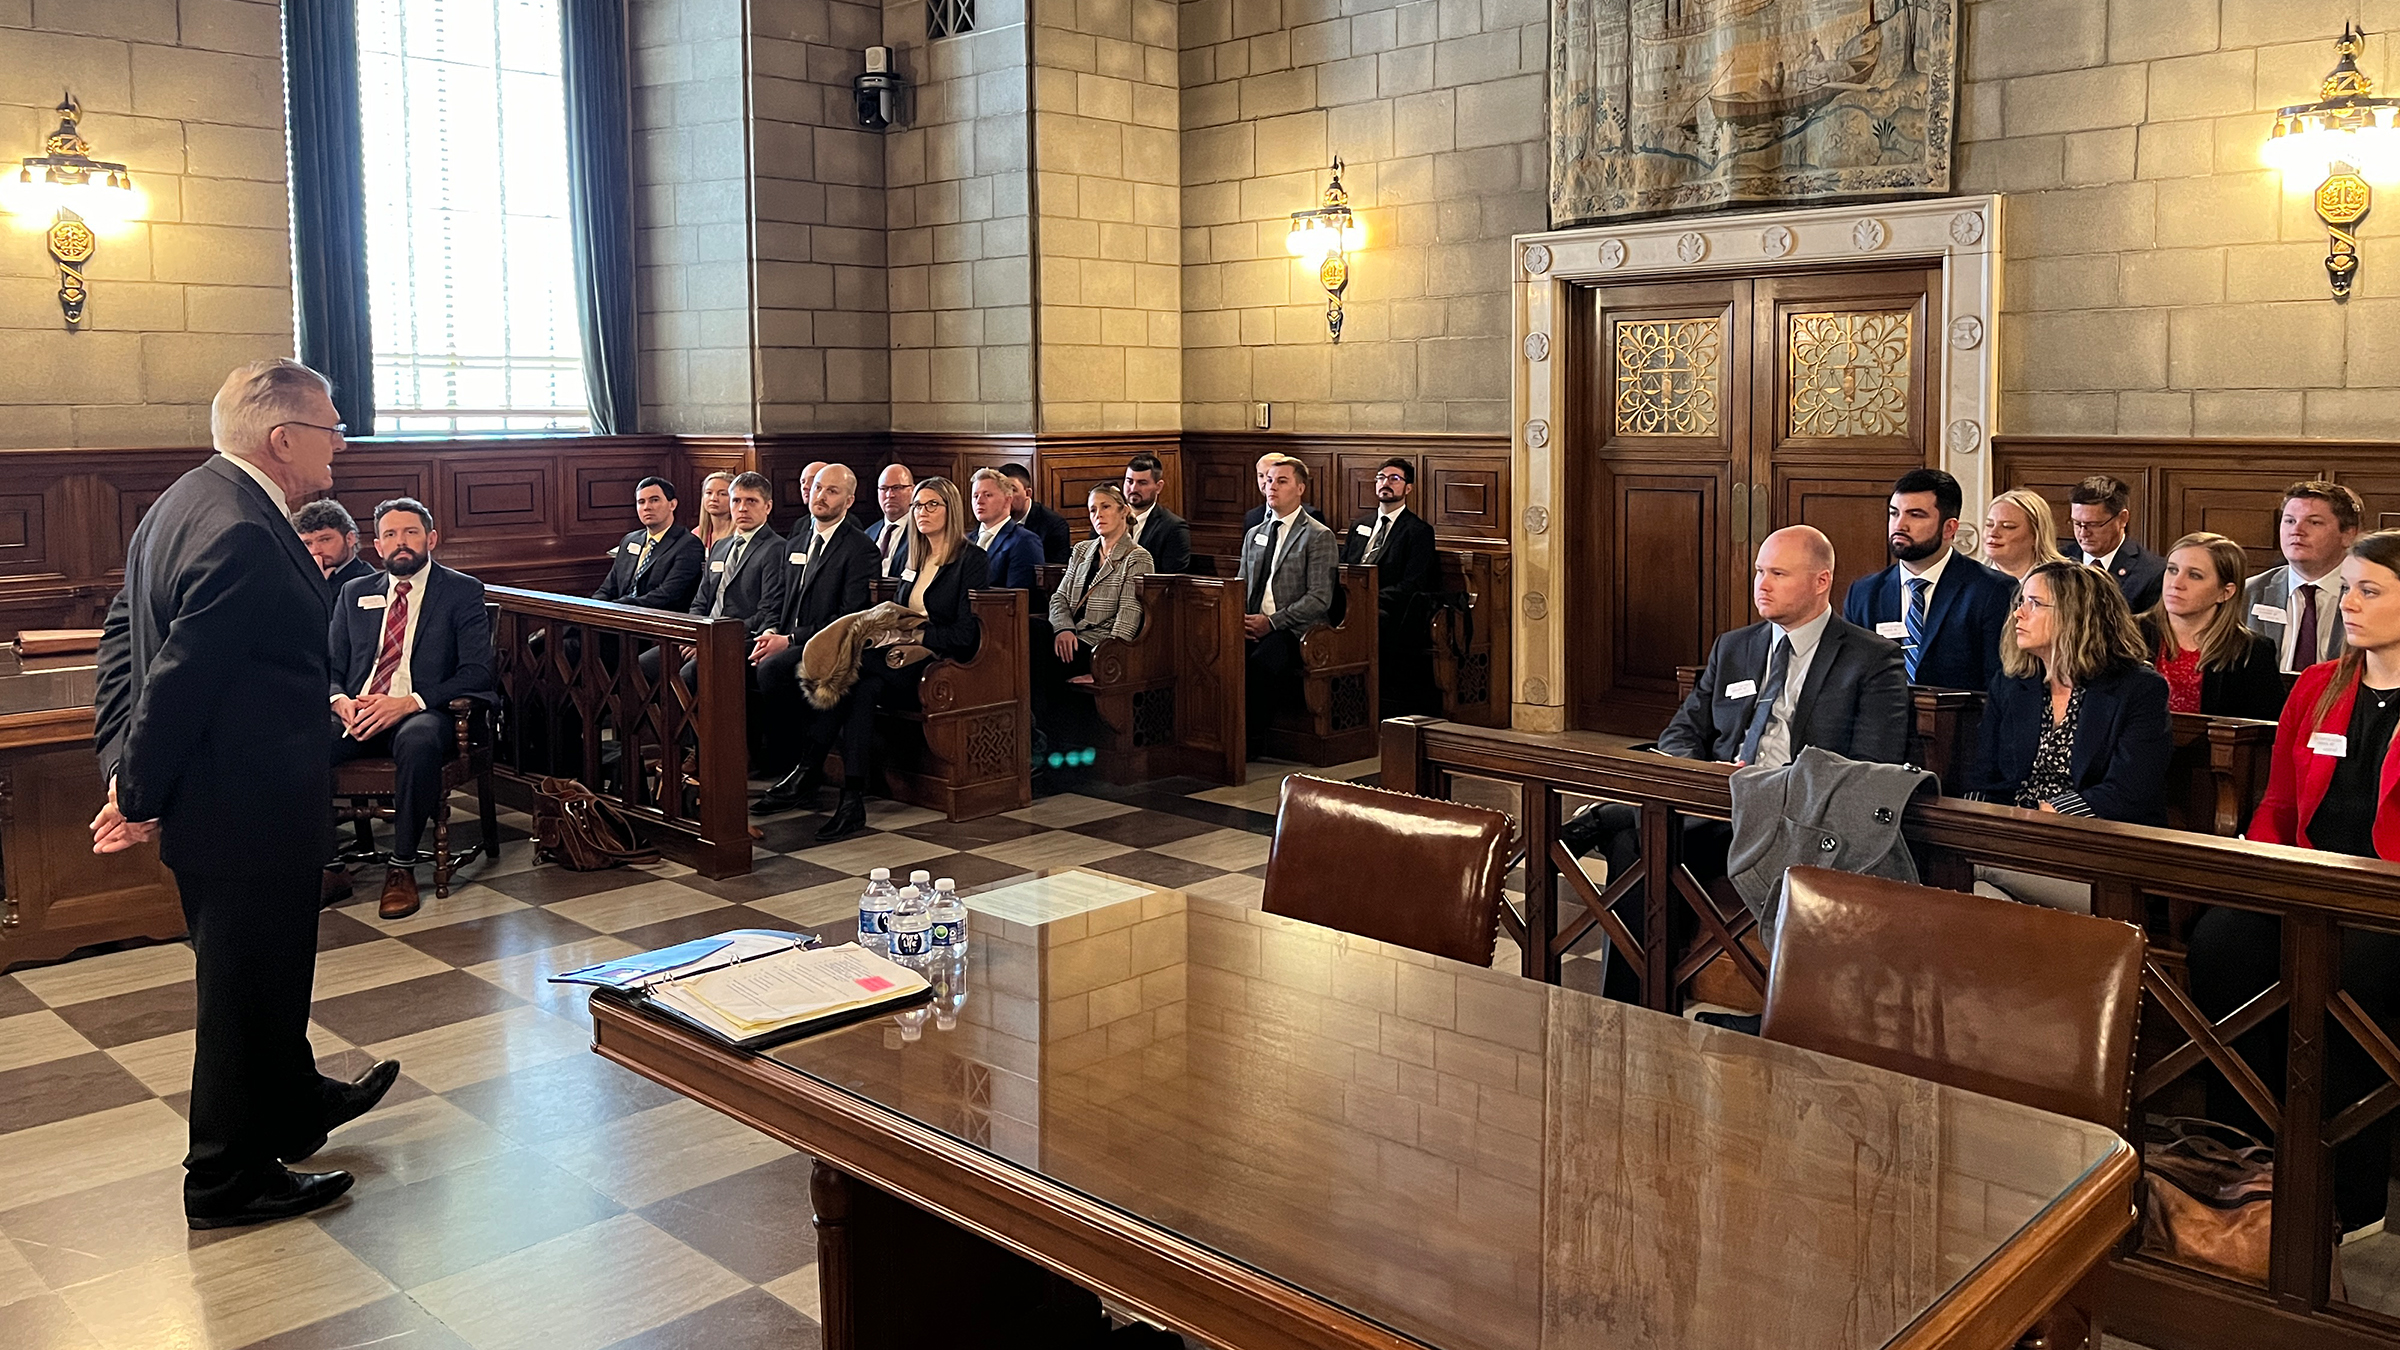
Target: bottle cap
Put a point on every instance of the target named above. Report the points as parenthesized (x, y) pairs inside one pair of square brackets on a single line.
[(945, 884), (919, 877), (946, 1021), (880, 874), (910, 1031), (907, 891)]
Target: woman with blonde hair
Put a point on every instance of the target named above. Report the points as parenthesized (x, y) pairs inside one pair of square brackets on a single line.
[(2019, 533), (1098, 600), (2199, 640), (716, 509)]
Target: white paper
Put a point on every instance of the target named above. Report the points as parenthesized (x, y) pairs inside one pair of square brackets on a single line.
[(1895, 631), (2331, 744), (792, 986), (1047, 898), (1741, 689)]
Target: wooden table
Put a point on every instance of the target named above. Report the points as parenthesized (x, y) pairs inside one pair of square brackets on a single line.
[(1269, 1134)]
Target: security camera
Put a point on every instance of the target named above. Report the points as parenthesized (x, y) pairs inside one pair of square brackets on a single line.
[(878, 90)]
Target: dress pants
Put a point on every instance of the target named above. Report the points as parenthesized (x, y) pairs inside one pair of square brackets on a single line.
[(780, 714), (1705, 844), (1405, 673), (1067, 715), (1270, 681), (255, 1086), (417, 745), (851, 722)]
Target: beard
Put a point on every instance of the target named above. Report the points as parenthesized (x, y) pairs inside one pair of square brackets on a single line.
[(1916, 552), (405, 563)]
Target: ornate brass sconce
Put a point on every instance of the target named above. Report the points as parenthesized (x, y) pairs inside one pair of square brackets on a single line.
[(1325, 237), (2345, 135), (74, 189)]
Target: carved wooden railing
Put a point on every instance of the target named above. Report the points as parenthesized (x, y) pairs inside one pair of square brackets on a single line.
[(2137, 874), (579, 703)]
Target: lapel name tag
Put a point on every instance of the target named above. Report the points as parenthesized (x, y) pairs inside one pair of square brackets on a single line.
[(373, 601), (717, 566), (1362, 531), (909, 575), (1741, 689), (2332, 745), (1259, 539), (1897, 632), (799, 560), (2269, 614)]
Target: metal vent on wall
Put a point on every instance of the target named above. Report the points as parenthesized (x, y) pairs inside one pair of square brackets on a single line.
[(948, 18)]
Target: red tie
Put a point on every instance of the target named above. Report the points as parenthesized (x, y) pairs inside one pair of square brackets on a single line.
[(395, 627)]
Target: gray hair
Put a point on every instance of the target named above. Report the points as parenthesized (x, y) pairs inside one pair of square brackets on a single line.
[(323, 514), (257, 398)]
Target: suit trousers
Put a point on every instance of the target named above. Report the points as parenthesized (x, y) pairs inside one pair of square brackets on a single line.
[(1064, 713), (1704, 844), (851, 722), (255, 1086), (417, 745), (1271, 680), (781, 718), (1405, 674)]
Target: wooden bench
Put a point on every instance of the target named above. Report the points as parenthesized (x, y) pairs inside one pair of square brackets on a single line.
[(967, 749), (1474, 676), (1335, 722), (1170, 699)]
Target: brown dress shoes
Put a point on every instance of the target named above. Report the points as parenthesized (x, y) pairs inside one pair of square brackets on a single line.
[(399, 893)]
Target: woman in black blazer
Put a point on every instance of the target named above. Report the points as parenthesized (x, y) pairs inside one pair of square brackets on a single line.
[(944, 568), (2199, 640), (2076, 722)]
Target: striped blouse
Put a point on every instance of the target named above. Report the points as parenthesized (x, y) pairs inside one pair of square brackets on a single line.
[(1111, 602)]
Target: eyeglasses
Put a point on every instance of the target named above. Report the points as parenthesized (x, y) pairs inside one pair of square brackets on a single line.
[(929, 504), (2028, 602), (339, 428), (895, 487), (1395, 476)]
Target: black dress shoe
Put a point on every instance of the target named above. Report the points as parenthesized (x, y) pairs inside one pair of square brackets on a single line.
[(1581, 832), (355, 1099), (849, 817), (796, 788), (291, 1193)]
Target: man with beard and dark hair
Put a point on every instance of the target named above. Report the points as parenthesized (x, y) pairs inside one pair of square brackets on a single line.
[(1400, 546), (1944, 609), (403, 645)]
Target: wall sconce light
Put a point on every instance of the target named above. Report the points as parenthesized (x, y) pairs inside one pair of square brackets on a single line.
[(1324, 238), (2346, 136), (75, 192)]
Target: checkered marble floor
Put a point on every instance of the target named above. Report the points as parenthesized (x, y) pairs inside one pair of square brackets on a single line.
[(514, 1190)]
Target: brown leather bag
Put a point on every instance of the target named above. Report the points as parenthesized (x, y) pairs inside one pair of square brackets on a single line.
[(577, 828), (2208, 1198)]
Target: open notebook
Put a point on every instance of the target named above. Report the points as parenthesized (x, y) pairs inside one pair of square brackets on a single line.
[(772, 996)]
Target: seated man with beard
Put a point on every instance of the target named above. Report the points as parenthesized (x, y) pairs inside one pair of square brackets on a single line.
[(403, 644)]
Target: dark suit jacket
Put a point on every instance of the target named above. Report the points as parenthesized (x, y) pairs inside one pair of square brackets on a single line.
[(951, 628), (2251, 687), (2122, 743), (2140, 573), (453, 656), (745, 590), (802, 600), (1167, 538), (899, 550), (1404, 571), (1854, 704), (1051, 528), (670, 579), (1966, 615), (1012, 556), (212, 679), (357, 567)]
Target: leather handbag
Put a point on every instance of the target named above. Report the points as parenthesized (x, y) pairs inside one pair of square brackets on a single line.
[(576, 828), (2208, 1198)]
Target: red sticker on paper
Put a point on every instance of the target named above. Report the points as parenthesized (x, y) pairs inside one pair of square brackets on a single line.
[(874, 984)]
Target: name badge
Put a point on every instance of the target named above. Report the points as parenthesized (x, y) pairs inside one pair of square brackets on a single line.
[(1898, 632), (1259, 539), (717, 566), (2269, 614), (612, 552), (909, 575), (1362, 531), (1741, 689), (373, 601), (2329, 744), (799, 560)]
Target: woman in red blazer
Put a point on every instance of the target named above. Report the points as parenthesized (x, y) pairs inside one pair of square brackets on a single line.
[(2335, 785)]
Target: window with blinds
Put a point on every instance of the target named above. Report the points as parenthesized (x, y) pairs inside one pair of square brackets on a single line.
[(470, 264)]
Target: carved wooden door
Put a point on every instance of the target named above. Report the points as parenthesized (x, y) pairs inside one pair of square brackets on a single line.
[(1713, 413)]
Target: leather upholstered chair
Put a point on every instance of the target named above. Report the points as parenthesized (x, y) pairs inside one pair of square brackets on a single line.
[(1410, 871), (2033, 1005), (363, 791)]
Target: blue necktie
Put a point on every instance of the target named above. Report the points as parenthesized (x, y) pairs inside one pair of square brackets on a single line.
[(1779, 663), (1915, 620)]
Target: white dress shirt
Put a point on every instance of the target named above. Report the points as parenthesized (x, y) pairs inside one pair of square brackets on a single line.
[(1283, 544), (2329, 617), (1931, 576), (403, 681), (2106, 562), (259, 476), (1775, 743)]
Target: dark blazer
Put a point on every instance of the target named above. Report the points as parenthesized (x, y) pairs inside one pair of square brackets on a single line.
[(1855, 702), (2122, 743), (1258, 515), (453, 656), (357, 567), (671, 578), (800, 600), (899, 550), (951, 628), (2140, 573), (2251, 687), (1405, 570), (1966, 614), (746, 589), (1051, 528), (1167, 538), (1012, 556), (212, 680)]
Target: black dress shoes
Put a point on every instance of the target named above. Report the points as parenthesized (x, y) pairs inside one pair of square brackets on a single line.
[(797, 788), (288, 1194), (849, 817), (353, 1100)]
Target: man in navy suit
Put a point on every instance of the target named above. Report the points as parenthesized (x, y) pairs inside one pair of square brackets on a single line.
[(332, 538), (1014, 550), (403, 644), (1047, 525), (829, 569), (893, 492), (1944, 609), (2101, 509), (658, 565)]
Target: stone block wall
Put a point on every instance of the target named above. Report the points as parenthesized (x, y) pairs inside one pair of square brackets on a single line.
[(188, 94)]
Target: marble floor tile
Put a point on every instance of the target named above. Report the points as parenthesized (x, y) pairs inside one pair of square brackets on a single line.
[(371, 965), (465, 1217), (667, 1150), (394, 1011), (16, 1000), (562, 1097), (267, 1280), (754, 1223), (885, 814), (45, 1322), (1059, 848), (585, 1290), (61, 1089), (800, 1290), (818, 905), (1237, 887), (35, 1037), (136, 1015), (633, 906), (498, 935), (751, 1317), (853, 857), (402, 1142), (766, 877), (395, 1322), (1157, 869), (1067, 810), (463, 903), (76, 1238), (73, 1155), (966, 834), (18, 1279), (527, 975), (458, 1053), (974, 872), (1142, 829), (1232, 850), (109, 974)]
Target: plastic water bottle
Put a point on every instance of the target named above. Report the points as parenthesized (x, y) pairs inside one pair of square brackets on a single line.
[(950, 989), (949, 918), (911, 922), (875, 911), (912, 1021), (923, 881)]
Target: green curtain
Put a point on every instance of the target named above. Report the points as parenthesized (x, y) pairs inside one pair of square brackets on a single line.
[(600, 204), (329, 202)]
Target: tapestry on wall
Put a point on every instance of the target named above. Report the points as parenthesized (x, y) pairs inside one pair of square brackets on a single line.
[(1683, 105)]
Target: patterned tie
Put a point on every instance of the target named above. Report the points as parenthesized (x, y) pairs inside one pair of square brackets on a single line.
[(1266, 564), (395, 629), (1383, 526), (1779, 663), (2304, 637), (649, 551), (732, 565), (1915, 620)]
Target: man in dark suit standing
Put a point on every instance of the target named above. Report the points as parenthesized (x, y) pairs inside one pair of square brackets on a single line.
[(1399, 544), (2101, 508), (1944, 609), (826, 574), (894, 490), (214, 741), (1801, 676), (1047, 525), (658, 565), (331, 535), (404, 644), (1165, 536)]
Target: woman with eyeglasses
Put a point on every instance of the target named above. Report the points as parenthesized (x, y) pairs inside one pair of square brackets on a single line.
[(2198, 639)]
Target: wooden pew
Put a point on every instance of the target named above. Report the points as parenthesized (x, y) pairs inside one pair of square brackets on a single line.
[(967, 750), (1474, 677), (1171, 698), (1335, 723)]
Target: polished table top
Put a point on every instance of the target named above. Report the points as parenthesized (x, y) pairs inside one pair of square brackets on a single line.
[(1463, 1156)]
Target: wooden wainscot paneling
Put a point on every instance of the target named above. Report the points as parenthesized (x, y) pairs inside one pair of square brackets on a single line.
[(64, 518), (1462, 481), (1066, 468), (2233, 487)]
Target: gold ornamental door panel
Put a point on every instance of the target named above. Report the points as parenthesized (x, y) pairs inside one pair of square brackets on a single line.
[(1670, 377), (1849, 374)]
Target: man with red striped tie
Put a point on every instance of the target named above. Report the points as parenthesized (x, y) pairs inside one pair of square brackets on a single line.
[(404, 643)]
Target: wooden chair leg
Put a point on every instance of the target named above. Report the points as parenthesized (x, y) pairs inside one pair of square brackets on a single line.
[(441, 849), (491, 816)]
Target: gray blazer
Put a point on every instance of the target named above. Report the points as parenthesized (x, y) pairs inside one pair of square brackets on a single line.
[(1821, 810), (1303, 582), (1110, 601), (2274, 589)]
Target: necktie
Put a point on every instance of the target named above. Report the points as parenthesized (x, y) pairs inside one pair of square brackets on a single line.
[(891, 541), (395, 629), (1266, 564), (2304, 637), (649, 551), (1763, 712), (986, 540), (732, 565), (1375, 545), (1915, 620)]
